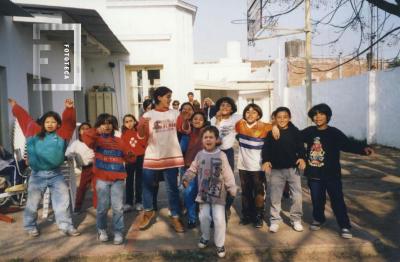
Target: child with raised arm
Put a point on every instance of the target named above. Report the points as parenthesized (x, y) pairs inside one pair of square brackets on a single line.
[(323, 170), (134, 171), (46, 144), (163, 155), (225, 120), (110, 155), (215, 181), (282, 160)]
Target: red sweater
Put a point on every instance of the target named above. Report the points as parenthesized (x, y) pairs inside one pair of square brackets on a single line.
[(195, 145), (110, 154), (30, 127), (131, 138)]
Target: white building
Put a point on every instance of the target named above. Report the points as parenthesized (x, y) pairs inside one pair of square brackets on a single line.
[(232, 77), (128, 45), (159, 36)]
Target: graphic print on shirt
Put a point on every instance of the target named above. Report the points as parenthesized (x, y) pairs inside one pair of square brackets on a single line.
[(317, 153), (133, 142), (164, 125), (212, 184), (225, 130)]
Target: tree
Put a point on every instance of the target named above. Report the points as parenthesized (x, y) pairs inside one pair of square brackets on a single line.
[(375, 21)]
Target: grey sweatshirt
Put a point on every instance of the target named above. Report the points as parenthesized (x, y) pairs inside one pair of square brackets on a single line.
[(214, 175)]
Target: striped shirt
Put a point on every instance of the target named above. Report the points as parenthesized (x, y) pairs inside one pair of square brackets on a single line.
[(251, 141), (110, 155)]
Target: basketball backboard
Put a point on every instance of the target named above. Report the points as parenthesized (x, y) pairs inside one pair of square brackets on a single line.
[(254, 19)]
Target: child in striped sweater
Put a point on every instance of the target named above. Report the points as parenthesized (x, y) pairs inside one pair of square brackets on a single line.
[(110, 154), (251, 133)]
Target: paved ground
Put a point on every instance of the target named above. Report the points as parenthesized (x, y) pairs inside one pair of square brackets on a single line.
[(372, 193)]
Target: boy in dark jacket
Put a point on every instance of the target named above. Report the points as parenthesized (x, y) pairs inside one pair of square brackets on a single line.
[(282, 160), (323, 170)]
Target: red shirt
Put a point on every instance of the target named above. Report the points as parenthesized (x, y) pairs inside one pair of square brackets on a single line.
[(131, 138), (31, 128)]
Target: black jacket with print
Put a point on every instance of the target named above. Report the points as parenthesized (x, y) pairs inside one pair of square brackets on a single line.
[(323, 151)]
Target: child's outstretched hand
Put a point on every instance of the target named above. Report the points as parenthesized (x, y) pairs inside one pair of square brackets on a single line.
[(186, 115), (301, 164), (185, 183), (275, 132), (69, 103), (12, 102), (266, 167), (369, 151)]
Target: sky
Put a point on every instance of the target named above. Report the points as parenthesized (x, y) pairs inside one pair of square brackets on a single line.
[(213, 28)]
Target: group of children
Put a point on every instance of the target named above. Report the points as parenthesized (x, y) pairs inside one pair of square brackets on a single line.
[(270, 155)]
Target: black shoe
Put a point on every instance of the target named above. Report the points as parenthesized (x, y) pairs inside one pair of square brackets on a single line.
[(191, 224), (259, 222), (245, 221)]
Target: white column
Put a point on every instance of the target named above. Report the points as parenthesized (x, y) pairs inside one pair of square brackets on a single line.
[(122, 104), (371, 121), (145, 83), (135, 92)]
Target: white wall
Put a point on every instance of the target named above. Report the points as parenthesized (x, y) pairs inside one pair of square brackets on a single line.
[(361, 110), (156, 35), (222, 71), (388, 107)]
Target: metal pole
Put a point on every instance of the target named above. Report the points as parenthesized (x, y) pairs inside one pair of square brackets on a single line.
[(308, 58), (340, 67), (371, 50)]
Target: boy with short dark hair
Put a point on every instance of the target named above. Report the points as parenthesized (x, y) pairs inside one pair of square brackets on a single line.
[(282, 160), (323, 170)]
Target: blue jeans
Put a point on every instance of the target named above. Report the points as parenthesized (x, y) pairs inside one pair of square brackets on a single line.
[(38, 182), (230, 154), (110, 191), (318, 190), (171, 181), (189, 196)]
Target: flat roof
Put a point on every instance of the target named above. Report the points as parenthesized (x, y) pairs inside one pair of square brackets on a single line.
[(8, 8), (91, 21)]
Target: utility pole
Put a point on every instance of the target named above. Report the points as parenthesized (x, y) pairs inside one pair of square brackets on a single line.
[(307, 30), (370, 58)]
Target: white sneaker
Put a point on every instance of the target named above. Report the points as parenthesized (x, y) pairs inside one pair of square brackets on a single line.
[(297, 226), (34, 232), (202, 243), (118, 239), (221, 251), (346, 233), (128, 208), (139, 207), (102, 235), (274, 227)]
